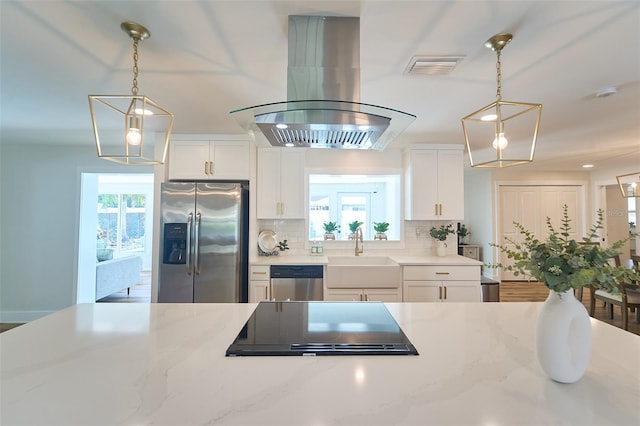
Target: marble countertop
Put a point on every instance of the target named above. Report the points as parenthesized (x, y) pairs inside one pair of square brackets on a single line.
[(401, 259), (106, 364)]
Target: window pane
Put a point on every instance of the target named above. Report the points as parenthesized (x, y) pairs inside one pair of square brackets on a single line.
[(347, 198)]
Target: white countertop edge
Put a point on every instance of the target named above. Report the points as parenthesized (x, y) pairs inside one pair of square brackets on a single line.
[(454, 260)]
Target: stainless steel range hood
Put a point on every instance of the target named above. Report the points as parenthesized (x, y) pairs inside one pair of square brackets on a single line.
[(323, 106)]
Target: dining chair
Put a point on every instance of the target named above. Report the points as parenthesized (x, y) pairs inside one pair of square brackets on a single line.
[(628, 299)]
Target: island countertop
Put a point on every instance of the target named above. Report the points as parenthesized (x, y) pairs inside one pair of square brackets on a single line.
[(112, 363)]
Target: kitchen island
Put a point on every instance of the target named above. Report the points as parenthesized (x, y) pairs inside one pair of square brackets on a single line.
[(108, 364)]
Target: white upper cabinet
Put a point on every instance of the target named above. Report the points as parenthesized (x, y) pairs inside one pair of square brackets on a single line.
[(280, 183), (434, 184), (210, 159)]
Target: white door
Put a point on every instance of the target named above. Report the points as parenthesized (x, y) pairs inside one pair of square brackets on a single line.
[(517, 204), (530, 205)]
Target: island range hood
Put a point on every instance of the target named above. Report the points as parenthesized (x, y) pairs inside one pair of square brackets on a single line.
[(323, 106)]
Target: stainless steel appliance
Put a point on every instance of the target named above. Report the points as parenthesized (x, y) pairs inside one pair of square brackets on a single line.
[(296, 282), (321, 328), (204, 242)]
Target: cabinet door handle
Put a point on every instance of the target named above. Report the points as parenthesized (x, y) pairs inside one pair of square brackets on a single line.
[(211, 167), (266, 293), (436, 206), (206, 167), (445, 292), (440, 209), (440, 292), (282, 208)]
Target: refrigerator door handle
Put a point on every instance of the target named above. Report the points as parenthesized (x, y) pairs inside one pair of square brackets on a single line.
[(188, 260), (196, 246)]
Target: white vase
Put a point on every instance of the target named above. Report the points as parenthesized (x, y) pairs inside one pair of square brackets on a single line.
[(442, 248), (563, 337)]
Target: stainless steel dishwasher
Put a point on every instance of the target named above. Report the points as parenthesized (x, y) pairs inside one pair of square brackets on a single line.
[(296, 282)]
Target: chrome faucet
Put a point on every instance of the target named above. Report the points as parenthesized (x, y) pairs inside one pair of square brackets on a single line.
[(359, 242)]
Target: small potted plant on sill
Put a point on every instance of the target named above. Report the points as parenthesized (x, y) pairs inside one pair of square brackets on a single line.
[(380, 228), (353, 227), (440, 234), (329, 229)]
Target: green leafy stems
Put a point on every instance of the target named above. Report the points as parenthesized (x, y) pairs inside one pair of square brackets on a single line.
[(563, 263), (440, 233), (380, 227), (353, 226)]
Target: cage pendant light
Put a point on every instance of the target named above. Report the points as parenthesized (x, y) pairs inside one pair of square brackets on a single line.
[(503, 133), (131, 129), (629, 185)]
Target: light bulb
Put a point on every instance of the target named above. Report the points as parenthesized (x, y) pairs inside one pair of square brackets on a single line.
[(500, 142), (133, 132), (133, 136)]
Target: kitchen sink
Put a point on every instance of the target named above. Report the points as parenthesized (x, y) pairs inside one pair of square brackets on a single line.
[(362, 272)]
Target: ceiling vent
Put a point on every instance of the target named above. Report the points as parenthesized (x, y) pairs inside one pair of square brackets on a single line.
[(323, 107), (432, 65)]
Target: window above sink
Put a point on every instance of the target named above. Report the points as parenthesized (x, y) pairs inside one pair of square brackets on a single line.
[(345, 198)]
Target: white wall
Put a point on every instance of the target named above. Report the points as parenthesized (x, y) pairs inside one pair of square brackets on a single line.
[(40, 192), (478, 211)]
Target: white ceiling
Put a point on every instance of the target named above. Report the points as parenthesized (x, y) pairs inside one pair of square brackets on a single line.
[(206, 58)]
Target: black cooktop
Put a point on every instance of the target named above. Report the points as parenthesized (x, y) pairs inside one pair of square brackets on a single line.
[(321, 328)]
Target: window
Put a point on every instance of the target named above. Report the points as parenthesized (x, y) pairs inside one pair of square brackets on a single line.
[(347, 198), (123, 215)]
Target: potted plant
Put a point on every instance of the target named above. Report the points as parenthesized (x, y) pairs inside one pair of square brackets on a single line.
[(283, 245), (563, 329), (440, 234), (353, 227), (463, 233), (380, 228), (329, 229)]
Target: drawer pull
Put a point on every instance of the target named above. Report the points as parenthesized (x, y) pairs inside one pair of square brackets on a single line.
[(442, 273), (259, 273)]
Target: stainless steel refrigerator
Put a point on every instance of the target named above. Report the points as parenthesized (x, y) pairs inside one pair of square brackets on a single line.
[(204, 242)]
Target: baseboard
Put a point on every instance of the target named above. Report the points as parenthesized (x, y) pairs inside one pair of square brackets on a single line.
[(22, 316)]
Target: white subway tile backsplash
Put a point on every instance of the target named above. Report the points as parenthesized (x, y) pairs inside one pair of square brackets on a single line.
[(416, 238)]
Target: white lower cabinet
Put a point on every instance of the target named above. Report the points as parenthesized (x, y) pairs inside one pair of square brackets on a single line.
[(363, 294), (259, 279), (450, 283)]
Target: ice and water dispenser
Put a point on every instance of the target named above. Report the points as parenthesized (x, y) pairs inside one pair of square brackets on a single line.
[(175, 244)]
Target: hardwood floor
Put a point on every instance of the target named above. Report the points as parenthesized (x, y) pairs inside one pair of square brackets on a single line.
[(510, 292), (522, 291)]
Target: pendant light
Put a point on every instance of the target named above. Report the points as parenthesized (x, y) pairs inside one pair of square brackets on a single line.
[(503, 133), (629, 185), (131, 129)]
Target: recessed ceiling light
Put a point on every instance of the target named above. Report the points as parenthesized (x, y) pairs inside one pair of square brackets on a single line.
[(587, 166), (281, 126), (488, 117)]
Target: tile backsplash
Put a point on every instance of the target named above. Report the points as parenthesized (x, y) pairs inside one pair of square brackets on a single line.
[(416, 240)]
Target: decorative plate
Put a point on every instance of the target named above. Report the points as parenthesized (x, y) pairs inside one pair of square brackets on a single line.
[(267, 241)]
